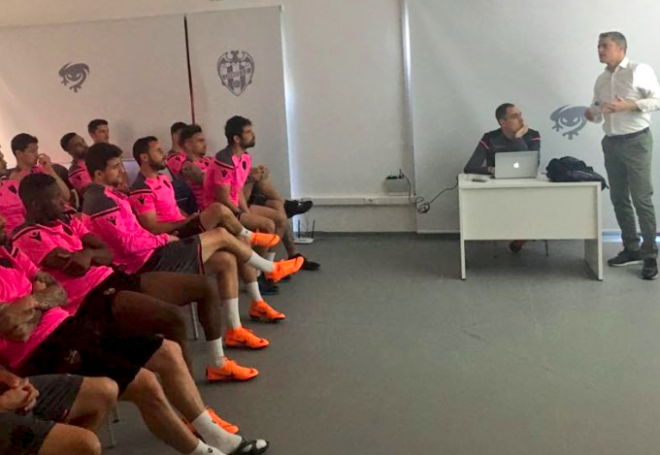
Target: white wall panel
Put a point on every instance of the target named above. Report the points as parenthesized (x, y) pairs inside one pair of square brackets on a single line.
[(469, 57), (256, 78), (137, 80)]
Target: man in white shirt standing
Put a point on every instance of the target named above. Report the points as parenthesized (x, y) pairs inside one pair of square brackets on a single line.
[(624, 96)]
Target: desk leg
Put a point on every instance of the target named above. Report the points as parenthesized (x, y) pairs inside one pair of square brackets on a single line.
[(593, 255), (463, 271)]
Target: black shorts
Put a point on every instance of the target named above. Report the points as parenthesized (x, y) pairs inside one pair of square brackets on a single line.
[(256, 198), (184, 256), (76, 348), (24, 434), (97, 306), (192, 228)]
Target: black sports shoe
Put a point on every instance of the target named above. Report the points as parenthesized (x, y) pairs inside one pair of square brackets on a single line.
[(266, 287), (625, 258), (650, 269), (516, 246), (308, 265), (293, 208)]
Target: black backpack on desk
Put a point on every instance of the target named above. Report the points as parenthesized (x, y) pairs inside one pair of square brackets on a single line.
[(569, 169)]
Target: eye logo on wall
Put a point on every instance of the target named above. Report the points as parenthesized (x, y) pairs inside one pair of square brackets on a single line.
[(236, 69), (75, 74), (571, 118)]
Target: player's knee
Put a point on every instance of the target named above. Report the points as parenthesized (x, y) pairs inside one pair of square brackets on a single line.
[(224, 262)]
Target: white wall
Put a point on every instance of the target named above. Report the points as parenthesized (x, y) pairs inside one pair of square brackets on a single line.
[(346, 100), (469, 57), (34, 100)]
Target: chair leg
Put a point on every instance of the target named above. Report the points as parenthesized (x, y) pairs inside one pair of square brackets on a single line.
[(111, 433), (193, 317), (115, 415)]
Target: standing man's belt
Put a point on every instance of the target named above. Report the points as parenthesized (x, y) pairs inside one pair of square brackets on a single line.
[(625, 137)]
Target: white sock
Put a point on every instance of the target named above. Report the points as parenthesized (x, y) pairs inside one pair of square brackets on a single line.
[(246, 233), (232, 316), (204, 449), (214, 435), (270, 256), (260, 263), (217, 353), (253, 291)]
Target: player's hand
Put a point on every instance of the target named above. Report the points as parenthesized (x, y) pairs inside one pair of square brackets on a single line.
[(16, 319), (265, 172), (78, 264), (21, 398), (45, 161), (38, 286), (10, 380)]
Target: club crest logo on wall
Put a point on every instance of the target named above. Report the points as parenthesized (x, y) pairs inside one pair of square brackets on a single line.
[(571, 118), (236, 69), (75, 74)]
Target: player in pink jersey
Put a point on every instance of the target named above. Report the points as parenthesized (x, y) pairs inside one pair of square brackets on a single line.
[(11, 208), (99, 131), (193, 142), (177, 156), (76, 146), (152, 199), (38, 337), (28, 161), (109, 215), (80, 261), (251, 187)]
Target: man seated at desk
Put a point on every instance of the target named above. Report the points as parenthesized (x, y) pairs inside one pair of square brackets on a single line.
[(513, 136)]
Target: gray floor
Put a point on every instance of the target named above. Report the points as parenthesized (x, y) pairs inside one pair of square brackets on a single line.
[(387, 351)]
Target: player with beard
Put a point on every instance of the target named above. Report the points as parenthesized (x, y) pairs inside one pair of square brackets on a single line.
[(153, 200)]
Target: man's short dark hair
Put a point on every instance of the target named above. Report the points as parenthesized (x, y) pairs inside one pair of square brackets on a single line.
[(188, 132), (141, 146), (94, 124), (617, 37), (98, 155), (234, 127), (501, 111), (177, 127), (64, 142), (33, 188), (21, 142)]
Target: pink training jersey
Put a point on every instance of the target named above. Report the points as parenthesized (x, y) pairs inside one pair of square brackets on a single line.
[(198, 188), (175, 162), (37, 241), (11, 206), (229, 170), (79, 178), (107, 213), (155, 195), (16, 274)]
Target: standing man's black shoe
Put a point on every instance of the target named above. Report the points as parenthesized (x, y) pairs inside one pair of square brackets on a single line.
[(650, 269), (625, 258)]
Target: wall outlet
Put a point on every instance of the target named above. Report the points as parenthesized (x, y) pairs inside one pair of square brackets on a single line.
[(396, 186)]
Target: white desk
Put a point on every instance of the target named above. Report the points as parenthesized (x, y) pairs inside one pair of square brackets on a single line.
[(532, 209)]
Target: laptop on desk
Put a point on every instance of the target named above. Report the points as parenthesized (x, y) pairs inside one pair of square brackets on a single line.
[(516, 165)]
